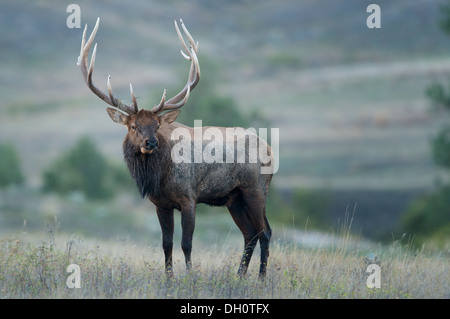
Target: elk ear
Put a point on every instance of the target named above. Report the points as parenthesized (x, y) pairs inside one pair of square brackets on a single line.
[(169, 117), (117, 116)]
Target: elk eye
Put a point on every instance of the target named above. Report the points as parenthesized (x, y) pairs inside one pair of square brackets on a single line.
[(159, 126), (133, 127)]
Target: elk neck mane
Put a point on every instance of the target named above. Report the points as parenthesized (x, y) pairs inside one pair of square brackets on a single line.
[(147, 170)]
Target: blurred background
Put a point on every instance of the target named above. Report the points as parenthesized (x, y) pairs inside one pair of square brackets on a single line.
[(363, 113)]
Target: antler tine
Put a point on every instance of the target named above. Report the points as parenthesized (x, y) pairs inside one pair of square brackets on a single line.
[(194, 73), (135, 106), (158, 108), (193, 79), (180, 37), (83, 42), (84, 51), (108, 84), (179, 104), (190, 38), (88, 71)]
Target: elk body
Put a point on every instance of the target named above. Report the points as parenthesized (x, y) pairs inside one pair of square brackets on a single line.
[(170, 184)]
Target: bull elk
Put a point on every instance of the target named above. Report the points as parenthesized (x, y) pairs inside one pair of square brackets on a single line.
[(179, 185)]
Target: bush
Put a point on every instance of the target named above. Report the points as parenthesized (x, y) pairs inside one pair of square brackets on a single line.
[(214, 109), (438, 96), (441, 148), (428, 217), (86, 170), (10, 171)]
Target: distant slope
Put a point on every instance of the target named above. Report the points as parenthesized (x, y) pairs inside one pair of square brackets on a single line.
[(348, 100)]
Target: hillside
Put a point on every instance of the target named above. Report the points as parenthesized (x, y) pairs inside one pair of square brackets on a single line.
[(349, 101)]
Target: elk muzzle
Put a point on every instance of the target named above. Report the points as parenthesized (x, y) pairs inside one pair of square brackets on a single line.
[(149, 145)]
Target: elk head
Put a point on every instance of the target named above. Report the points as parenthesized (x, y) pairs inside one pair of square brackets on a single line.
[(143, 125)]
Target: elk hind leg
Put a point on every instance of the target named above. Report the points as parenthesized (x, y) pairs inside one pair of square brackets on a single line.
[(255, 202), (238, 211)]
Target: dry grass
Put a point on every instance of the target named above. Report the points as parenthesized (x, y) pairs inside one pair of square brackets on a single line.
[(127, 270)]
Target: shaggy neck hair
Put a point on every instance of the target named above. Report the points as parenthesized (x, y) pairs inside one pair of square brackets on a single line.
[(147, 170)]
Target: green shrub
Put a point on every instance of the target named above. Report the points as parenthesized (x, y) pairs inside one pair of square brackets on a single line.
[(84, 169), (441, 147), (10, 171), (428, 216), (437, 95), (213, 108)]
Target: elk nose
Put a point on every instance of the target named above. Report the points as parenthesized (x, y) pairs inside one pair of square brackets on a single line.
[(151, 143)]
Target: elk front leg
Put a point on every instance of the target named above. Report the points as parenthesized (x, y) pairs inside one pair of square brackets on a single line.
[(165, 217), (187, 225)]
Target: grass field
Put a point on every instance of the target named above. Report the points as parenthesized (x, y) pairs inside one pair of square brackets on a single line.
[(30, 268), (353, 117)]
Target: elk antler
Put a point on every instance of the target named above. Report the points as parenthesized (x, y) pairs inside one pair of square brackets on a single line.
[(194, 74), (87, 75), (174, 103)]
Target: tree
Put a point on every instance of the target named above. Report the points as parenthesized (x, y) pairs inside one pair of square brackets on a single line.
[(429, 216), (84, 169), (214, 109), (440, 99), (10, 171)]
